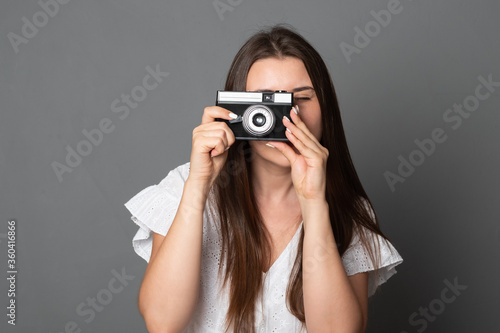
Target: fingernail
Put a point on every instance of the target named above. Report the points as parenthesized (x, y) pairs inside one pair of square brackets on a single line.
[(232, 115), (270, 145), (288, 130), (286, 118), (296, 109), (227, 148)]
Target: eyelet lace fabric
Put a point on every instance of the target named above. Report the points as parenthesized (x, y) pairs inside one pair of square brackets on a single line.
[(153, 210)]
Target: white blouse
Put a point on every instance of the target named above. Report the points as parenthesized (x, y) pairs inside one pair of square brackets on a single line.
[(153, 210)]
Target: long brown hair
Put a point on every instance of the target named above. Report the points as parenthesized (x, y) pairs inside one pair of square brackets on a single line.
[(245, 240)]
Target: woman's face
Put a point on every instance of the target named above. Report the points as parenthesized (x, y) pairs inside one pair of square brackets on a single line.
[(290, 74)]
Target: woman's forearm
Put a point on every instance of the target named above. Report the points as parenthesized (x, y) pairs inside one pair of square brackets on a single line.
[(329, 299), (169, 291)]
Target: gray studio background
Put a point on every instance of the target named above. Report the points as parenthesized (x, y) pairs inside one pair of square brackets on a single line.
[(64, 71)]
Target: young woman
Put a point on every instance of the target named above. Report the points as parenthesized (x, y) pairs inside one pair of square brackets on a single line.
[(256, 236)]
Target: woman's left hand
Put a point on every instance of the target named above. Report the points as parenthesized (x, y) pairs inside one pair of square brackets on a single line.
[(308, 167)]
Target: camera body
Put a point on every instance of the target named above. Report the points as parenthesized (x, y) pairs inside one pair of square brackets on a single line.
[(259, 114)]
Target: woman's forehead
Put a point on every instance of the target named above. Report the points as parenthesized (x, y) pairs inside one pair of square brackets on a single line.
[(273, 74)]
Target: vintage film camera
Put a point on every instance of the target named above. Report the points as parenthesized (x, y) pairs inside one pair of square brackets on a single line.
[(260, 114)]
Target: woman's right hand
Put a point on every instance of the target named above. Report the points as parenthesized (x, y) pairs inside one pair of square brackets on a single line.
[(211, 140)]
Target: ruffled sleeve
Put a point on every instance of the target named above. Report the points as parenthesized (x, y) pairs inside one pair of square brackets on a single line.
[(153, 209), (356, 259)]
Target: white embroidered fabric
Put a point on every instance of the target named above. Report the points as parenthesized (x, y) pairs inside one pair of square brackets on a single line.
[(153, 210)]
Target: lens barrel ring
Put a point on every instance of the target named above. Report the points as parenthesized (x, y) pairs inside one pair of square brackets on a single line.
[(250, 124)]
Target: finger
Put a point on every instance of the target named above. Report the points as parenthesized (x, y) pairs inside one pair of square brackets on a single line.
[(303, 149), (210, 113), (217, 126), (217, 133), (314, 157), (299, 123), (300, 139), (219, 149), (297, 120), (213, 145), (285, 149)]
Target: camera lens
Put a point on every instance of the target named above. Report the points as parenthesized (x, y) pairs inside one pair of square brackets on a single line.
[(259, 120)]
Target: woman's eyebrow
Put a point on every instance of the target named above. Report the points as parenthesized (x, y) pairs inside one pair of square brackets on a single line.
[(293, 90), (302, 89)]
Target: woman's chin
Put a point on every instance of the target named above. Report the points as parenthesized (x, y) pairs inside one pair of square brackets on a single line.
[(281, 160)]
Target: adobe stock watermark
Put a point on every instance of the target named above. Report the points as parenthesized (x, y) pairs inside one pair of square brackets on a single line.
[(223, 6), (88, 310), (12, 266), (30, 28), (121, 107), (453, 117), (425, 315), (372, 29)]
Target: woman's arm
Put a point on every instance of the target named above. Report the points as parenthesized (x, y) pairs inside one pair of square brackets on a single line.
[(170, 287), (333, 301)]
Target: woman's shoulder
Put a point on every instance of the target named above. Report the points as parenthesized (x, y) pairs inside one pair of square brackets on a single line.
[(153, 209), (156, 203), (180, 172)]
